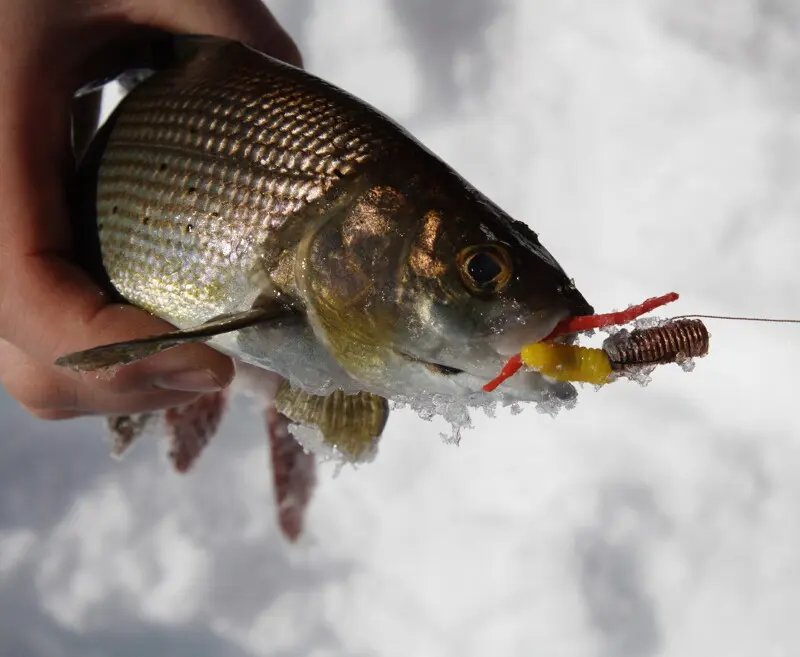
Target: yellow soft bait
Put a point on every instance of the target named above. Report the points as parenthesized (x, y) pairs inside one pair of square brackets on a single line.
[(568, 363), (673, 341)]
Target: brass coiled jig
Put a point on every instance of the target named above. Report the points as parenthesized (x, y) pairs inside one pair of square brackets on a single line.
[(675, 341), (671, 342)]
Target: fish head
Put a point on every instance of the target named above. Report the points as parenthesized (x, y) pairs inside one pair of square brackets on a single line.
[(424, 290)]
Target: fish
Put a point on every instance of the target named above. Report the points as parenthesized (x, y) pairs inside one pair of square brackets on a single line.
[(287, 223)]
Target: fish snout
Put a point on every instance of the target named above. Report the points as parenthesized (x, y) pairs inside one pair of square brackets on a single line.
[(573, 301)]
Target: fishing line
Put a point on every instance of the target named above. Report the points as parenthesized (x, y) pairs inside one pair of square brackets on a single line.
[(771, 320), (672, 341)]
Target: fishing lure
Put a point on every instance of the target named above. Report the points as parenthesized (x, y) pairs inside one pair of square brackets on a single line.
[(671, 342)]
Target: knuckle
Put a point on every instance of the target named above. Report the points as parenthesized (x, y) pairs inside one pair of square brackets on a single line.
[(40, 398), (40, 392)]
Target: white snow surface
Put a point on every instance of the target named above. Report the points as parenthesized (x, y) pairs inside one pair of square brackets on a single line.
[(655, 146)]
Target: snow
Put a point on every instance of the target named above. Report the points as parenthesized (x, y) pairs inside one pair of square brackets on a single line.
[(655, 146)]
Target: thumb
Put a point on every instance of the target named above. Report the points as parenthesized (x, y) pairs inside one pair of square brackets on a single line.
[(248, 21)]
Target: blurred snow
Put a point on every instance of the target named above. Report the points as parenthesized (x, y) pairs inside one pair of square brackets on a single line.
[(655, 145)]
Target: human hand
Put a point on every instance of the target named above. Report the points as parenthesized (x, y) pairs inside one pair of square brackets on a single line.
[(48, 306)]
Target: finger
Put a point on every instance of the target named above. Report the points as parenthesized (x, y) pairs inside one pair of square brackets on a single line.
[(52, 395), (46, 329), (248, 21), (49, 307)]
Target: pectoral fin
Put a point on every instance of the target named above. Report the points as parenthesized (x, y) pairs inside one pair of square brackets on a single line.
[(294, 474), (350, 423), (191, 427), (125, 429), (123, 353)]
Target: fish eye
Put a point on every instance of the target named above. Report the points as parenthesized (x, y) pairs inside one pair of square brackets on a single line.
[(485, 268)]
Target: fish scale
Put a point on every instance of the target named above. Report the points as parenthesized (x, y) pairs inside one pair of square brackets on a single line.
[(199, 171)]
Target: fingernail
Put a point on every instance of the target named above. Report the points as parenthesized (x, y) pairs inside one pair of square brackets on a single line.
[(192, 381)]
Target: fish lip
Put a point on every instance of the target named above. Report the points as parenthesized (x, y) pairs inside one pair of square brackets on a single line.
[(514, 338), (505, 344)]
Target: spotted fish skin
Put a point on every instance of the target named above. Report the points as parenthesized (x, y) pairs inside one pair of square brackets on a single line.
[(211, 159)]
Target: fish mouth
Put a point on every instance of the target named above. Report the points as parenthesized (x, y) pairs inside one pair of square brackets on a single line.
[(513, 339), (500, 347)]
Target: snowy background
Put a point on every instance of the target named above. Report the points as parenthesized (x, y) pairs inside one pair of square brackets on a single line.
[(655, 146)]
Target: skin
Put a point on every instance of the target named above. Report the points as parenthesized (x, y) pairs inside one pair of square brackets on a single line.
[(48, 307)]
